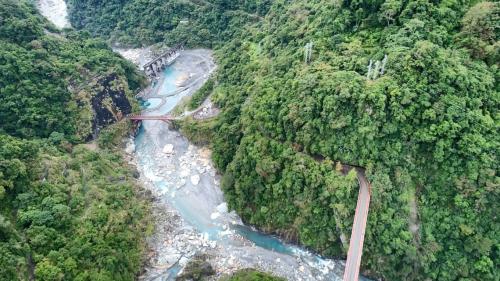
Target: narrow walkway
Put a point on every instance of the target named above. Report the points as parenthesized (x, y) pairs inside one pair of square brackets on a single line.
[(355, 252), (151, 117)]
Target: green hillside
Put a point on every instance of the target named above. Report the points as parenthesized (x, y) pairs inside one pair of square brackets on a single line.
[(425, 128), (136, 23), (47, 80), (68, 211)]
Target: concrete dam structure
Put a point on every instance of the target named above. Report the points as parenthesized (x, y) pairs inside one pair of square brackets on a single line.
[(158, 64)]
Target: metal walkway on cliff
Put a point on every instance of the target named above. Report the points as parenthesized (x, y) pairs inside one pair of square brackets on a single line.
[(351, 272)]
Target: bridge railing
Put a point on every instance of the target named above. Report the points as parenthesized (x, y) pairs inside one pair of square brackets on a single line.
[(151, 117)]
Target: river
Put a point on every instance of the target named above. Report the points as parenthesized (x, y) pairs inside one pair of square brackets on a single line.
[(190, 213)]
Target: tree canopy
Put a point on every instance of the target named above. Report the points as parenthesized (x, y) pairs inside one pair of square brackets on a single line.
[(67, 211), (139, 23)]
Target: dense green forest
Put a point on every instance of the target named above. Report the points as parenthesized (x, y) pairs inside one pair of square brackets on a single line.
[(406, 89), (68, 211), (423, 122), (195, 22), (67, 216)]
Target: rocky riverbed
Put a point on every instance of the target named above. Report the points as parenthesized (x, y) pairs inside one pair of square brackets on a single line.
[(175, 240)]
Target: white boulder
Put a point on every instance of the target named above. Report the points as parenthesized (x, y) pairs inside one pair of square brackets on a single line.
[(130, 147), (222, 208), (168, 149), (195, 179), (215, 215)]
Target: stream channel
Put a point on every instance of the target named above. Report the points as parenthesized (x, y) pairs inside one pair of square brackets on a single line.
[(190, 214)]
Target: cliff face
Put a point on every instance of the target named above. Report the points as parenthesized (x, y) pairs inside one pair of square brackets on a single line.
[(102, 102), (110, 103)]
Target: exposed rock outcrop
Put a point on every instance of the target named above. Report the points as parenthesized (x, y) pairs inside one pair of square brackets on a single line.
[(197, 269), (101, 102), (110, 103)]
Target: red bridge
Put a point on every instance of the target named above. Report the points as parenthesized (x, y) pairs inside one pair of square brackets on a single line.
[(151, 117)]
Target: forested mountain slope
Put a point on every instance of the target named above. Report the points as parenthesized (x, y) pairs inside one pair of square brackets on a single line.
[(54, 83), (421, 117), (426, 129), (67, 211), (196, 22)]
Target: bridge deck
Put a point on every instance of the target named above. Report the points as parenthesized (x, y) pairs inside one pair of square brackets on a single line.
[(353, 262), (151, 117)]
